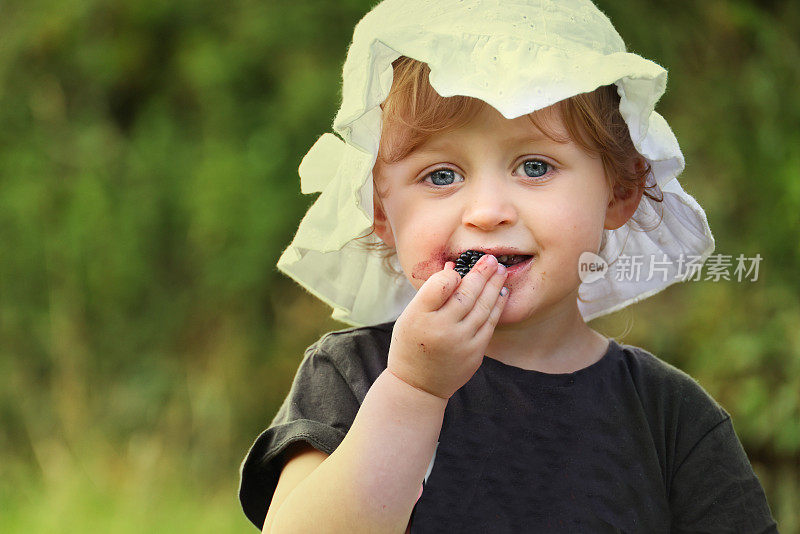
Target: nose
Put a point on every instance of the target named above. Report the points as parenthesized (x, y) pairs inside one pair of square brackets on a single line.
[(489, 205)]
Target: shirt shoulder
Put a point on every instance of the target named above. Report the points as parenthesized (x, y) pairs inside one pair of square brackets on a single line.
[(711, 484), (359, 354), (679, 411), (330, 384), (668, 386), (363, 338)]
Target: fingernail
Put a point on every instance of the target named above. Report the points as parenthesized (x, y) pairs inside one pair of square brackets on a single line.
[(501, 268), (504, 292)]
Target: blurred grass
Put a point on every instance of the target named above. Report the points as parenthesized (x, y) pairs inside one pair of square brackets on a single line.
[(148, 182)]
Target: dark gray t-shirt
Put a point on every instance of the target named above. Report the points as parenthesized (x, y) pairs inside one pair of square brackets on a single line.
[(628, 444)]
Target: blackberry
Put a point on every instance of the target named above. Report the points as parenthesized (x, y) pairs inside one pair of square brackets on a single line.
[(467, 261)]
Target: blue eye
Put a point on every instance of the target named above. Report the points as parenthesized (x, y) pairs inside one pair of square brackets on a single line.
[(442, 177), (535, 168)]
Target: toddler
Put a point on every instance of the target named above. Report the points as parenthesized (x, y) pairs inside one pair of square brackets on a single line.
[(524, 132)]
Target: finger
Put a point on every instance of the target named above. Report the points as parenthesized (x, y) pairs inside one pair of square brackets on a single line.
[(437, 289), (487, 329), (464, 298), (487, 300)]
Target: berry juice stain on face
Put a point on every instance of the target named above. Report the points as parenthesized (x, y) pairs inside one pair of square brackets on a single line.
[(424, 269)]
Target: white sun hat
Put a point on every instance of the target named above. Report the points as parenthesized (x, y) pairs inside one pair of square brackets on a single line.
[(518, 56)]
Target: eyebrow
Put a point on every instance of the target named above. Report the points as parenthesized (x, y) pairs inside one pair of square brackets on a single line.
[(445, 144)]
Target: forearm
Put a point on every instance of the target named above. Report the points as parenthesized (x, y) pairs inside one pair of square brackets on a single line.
[(371, 481)]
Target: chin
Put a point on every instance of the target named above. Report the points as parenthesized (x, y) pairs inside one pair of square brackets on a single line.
[(514, 314)]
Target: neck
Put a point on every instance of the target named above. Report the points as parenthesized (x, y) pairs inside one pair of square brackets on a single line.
[(560, 342)]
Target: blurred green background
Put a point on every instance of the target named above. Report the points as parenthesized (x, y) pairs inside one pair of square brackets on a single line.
[(148, 183)]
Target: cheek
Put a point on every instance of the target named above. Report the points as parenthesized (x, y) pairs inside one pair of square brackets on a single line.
[(572, 229), (588, 229), (421, 233), (570, 224), (421, 252), (424, 267)]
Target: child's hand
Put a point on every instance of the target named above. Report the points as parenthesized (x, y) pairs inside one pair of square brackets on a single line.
[(439, 340)]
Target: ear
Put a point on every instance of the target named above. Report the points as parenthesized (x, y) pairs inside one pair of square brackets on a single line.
[(380, 222), (623, 203)]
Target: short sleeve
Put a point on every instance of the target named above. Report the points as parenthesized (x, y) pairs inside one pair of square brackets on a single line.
[(714, 489), (319, 409)]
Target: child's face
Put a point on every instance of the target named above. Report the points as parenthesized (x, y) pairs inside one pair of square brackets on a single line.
[(501, 187)]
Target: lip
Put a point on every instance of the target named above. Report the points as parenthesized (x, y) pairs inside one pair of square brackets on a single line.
[(518, 267)]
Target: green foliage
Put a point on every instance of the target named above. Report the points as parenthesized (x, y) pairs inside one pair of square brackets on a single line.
[(148, 183)]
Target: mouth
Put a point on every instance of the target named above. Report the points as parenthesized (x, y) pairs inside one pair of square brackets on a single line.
[(509, 259)]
